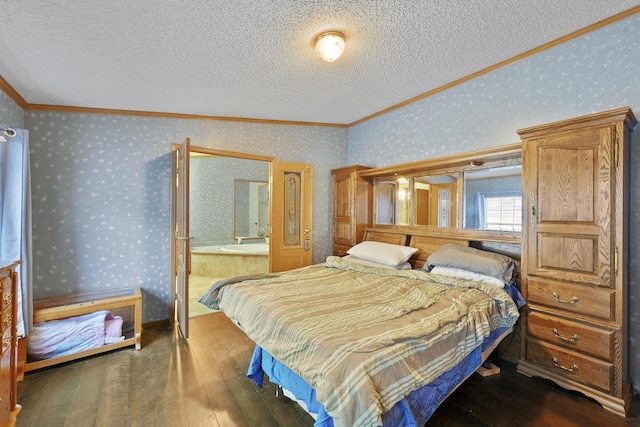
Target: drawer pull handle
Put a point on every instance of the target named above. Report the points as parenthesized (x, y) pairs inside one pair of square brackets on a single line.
[(574, 300), (7, 298), (572, 340), (8, 319), (573, 369)]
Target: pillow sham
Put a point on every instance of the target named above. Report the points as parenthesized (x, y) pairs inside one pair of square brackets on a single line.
[(383, 253), (476, 260), (467, 275), (403, 266)]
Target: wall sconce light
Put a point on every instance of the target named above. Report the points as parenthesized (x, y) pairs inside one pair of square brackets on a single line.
[(330, 45)]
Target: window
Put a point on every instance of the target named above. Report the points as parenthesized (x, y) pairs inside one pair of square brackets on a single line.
[(502, 212)]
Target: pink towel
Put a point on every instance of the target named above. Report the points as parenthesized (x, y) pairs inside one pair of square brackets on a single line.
[(113, 329)]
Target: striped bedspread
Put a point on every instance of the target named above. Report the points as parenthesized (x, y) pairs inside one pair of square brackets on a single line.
[(365, 337)]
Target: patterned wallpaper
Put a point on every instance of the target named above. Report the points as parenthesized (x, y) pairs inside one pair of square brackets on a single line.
[(10, 113), (101, 193), (593, 73), (596, 72), (211, 198), (101, 183)]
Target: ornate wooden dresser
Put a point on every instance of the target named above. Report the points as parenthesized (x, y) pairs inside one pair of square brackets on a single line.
[(8, 362)]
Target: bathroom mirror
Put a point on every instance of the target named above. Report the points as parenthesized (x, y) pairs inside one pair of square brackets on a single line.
[(493, 198), (435, 200), (251, 209)]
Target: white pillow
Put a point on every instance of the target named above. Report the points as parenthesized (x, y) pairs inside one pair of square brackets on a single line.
[(384, 253), (403, 266), (467, 275)]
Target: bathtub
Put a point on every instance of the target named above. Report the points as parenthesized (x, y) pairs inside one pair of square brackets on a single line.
[(229, 260), (249, 248)]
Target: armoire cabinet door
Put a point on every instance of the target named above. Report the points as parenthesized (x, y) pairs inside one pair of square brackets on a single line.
[(352, 204), (568, 184), (343, 197)]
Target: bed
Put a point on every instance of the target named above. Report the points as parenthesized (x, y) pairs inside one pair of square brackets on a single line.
[(366, 341)]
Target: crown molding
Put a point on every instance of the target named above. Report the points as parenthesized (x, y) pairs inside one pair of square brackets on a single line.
[(13, 94)]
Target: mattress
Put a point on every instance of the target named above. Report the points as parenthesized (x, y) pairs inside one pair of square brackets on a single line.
[(412, 411), (365, 338)]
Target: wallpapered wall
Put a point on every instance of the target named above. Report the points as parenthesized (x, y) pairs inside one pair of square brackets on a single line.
[(101, 193), (10, 113), (211, 198), (593, 73)]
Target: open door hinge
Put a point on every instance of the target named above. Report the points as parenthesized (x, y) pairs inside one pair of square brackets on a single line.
[(615, 261)]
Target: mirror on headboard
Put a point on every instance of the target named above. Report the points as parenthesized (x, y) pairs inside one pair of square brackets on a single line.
[(435, 200), (427, 200), (493, 198), (467, 194), (392, 201)]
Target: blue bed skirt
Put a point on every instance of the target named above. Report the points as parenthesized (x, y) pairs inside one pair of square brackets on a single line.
[(413, 411)]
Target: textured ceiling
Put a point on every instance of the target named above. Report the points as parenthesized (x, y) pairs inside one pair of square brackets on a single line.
[(255, 59)]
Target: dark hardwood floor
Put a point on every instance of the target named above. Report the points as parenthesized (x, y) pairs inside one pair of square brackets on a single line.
[(201, 382)]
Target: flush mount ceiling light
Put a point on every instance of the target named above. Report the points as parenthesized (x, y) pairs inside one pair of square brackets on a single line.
[(330, 45)]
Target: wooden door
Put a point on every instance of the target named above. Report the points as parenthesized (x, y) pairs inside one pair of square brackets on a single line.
[(181, 236), (568, 184), (290, 234)]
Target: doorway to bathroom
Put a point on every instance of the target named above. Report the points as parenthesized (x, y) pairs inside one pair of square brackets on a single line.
[(288, 234), (228, 219)]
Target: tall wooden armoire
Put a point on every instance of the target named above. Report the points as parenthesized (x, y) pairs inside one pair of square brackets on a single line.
[(575, 254), (352, 207)]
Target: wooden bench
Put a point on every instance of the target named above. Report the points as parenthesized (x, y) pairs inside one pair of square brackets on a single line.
[(125, 302)]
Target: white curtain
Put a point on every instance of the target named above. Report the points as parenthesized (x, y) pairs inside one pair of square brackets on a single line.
[(15, 218)]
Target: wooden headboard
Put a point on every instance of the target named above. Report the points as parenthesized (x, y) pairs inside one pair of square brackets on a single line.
[(386, 236), (426, 244)]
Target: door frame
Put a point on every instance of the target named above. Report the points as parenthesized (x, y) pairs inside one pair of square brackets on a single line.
[(174, 309)]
